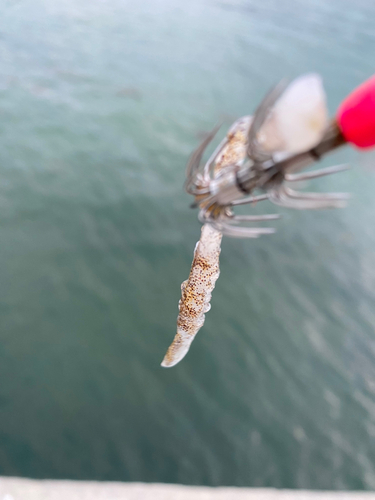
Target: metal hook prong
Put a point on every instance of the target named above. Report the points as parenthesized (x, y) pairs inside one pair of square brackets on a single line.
[(306, 176)]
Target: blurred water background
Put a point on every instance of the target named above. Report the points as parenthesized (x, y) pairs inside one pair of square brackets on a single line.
[(101, 104)]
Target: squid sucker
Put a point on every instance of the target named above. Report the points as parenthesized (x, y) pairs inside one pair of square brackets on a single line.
[(196, 294)]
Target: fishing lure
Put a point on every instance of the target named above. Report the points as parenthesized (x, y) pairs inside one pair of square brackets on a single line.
[(289, 131)]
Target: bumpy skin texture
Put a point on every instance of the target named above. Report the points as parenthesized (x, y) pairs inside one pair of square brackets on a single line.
[(197, 289), (235, 149), (196, 294)]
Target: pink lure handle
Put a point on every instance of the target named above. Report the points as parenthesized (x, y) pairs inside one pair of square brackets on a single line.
[(356, 115)]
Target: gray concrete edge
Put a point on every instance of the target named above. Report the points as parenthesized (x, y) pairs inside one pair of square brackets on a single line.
[(12, 488)]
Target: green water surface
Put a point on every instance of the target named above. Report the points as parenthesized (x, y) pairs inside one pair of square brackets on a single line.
[(101, 103)]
